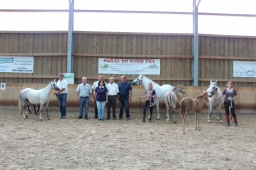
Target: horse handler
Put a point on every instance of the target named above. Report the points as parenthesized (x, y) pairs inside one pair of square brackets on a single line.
[(150, 96), (62, 95), (230, 95)]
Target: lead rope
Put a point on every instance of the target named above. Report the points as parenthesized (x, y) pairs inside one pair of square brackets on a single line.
[(229, 108), (152, 103)]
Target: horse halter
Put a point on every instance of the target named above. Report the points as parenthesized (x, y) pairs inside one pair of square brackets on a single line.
[(54, 87), (138, 82), (214, 90)]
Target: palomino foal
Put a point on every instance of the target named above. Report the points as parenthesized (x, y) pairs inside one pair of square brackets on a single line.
[(171, 101), (192, 104)]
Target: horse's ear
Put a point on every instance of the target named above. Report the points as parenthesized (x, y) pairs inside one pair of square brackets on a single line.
[(216, 81), (210, 81)]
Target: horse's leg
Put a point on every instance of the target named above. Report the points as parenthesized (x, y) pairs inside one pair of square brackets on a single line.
[(38, 107), (196, 120), (29, 110), (173, 115), (183, 121), (34, 109), (168, 110), (157, 108), (209, 112), (24, 113), (47, 104), (218, 111), (41, 108)]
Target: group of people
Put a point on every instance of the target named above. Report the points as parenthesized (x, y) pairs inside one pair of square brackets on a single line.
[(108, 93), (103, 93)]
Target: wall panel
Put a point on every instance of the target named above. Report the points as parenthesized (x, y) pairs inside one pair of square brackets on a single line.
[(49, 51)]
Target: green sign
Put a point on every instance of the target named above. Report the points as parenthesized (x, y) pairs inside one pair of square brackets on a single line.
[(69, 77)]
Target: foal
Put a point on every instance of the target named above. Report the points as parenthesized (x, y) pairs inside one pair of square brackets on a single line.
[(192, 104), (171, 99)]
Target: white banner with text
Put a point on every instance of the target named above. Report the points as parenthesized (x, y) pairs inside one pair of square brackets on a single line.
[(244, 68), (129, 66), (16, 64)]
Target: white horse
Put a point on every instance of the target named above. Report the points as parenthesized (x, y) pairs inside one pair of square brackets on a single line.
[(171, 99), (212, 90), (160, 90), (36, 97)]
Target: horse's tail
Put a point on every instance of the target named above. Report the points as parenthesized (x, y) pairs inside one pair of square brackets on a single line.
[(170, 100), (20, 105), (182, 107)]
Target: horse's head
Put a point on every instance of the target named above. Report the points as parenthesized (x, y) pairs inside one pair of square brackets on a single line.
[(54, 85), (137, 81), (205, 96), (212, 88), (179, 89)]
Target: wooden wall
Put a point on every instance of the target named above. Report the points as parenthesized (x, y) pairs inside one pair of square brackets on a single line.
[(49, 50), (216, 55), (89, 47)]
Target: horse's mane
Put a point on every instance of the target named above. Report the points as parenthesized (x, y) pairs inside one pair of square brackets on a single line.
[(151, 80), (176, 87), (201, 95)]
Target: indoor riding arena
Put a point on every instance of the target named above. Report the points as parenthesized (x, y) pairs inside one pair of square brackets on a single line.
[(112, 39)]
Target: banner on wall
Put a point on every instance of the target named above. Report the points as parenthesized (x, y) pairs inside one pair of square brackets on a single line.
[(129, 66), (69, 77), (16, 64), (244, 68)]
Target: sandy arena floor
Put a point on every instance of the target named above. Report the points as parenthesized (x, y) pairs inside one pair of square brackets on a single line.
[(121, 144)]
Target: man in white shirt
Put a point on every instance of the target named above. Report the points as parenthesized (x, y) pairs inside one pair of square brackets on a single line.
[(95, 84), (62, 95), (113, 90), (84, 93)]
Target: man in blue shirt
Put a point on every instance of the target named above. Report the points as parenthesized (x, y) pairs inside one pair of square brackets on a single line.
[(124, 96)]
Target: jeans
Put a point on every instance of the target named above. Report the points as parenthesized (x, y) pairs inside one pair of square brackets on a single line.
[(101, 106), (111, 103), (62, 100), (124, 103), (226, 105), (147, 103), (84, 104), (96, 109)]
